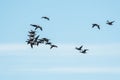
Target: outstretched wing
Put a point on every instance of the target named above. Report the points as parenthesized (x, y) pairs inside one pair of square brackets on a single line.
[(31, 45), (51, 47), (93, 25), (40, 28), (46, 18), (33, 25), (35, 28), (36, 38), (81, 47), (112, 21), (98, 27)]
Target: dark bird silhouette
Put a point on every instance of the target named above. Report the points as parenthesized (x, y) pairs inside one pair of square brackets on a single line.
[(84, 51), (45, 39), (80, 48), (44, 17), (98, 26), (32, 43), (29, 40), (36, 38), (32, 32), (53, 46), (36, 26), (31, 35), (48, 43), (40, 41), (110, 22)]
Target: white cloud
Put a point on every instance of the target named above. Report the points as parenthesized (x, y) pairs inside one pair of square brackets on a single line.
[(12, 47), (71, 70), (105, 49), (64, 49)]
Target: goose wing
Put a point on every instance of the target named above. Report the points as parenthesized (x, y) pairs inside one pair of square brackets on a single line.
[(46, 18), (98, 27)]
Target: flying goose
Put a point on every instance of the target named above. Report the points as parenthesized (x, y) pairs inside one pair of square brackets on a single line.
[(32, 32), (110, 22), (31, 35), (29, 40), (44, 17), (48, 43), (36, 38), (32, 43), (40, 41), (45, 39), (53, 46), (80, 48), (36, 26), (98, 26), (84, 51)]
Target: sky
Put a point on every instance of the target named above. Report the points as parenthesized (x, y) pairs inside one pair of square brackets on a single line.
[(70, 26)]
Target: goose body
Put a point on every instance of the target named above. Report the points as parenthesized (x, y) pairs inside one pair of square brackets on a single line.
[(53, 46), (84, 51), (32, 32), (45, 39), (48, 43), (96, 25), (110, 22), (36, 26), (80, 48)]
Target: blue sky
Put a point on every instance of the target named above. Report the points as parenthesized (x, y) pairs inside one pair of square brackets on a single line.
[(69, 26)]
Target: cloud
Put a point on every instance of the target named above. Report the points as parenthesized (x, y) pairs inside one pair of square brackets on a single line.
[(94, 49), (12, 47), (105, 49), (63, 70), (64, 49)]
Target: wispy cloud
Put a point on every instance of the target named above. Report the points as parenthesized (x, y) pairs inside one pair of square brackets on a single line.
[(12, 47), (71, 70), (94, 49), (105, 49), (65, 49)]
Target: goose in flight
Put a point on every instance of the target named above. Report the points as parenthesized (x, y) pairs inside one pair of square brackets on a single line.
[(31, 35), (44, 17), (36, 38), (98, 26), (32, 32), (40, 41), (53, 46), (84, 51), (110, 22), (48, 43), (32, 43), (29, 40), (45, 39), (80, 48), (36, 26)]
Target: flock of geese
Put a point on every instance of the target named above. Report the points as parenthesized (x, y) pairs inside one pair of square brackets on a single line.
[(98, 26), (35, 40)]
